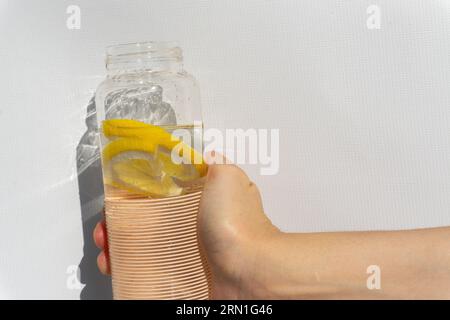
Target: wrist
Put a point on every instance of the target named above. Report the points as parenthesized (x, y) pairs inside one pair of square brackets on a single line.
[(261, 275), (433, 273)]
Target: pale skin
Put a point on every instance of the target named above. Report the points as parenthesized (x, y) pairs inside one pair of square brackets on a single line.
[(252, 259)]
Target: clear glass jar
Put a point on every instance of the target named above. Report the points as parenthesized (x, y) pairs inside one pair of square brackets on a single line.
[(151, 198), (142, 76)]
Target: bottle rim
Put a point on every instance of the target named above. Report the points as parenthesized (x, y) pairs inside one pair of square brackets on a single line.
[(156, 48), (149, 55)]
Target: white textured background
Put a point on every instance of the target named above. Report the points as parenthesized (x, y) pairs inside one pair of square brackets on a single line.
[(364, 115)]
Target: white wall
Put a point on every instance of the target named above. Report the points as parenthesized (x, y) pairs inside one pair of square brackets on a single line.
[(364, 116)]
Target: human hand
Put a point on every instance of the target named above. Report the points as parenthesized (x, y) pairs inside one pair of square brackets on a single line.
[(249, 258), (233, 230)]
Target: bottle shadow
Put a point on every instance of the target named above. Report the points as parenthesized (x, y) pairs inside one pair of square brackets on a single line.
[(90, 184)]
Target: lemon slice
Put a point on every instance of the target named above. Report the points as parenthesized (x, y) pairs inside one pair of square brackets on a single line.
[(134, 161), (182, 172), (138, 162), (142, 176), (121, 145), (135, 135)]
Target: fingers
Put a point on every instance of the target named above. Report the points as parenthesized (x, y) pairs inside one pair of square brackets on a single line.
[(101, 243), (220, 166), (103, 263), (100, 235), (226, 175), (230, 187)]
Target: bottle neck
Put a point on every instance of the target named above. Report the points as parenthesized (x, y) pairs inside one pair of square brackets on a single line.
[(144, 57)]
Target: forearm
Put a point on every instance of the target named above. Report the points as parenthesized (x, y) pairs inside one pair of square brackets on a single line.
[(413, 264)]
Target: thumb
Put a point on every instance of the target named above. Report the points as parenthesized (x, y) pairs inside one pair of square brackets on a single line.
[(215, 157)]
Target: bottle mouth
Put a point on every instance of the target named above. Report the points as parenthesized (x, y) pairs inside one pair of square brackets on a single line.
[(161, 48), (142, 54)]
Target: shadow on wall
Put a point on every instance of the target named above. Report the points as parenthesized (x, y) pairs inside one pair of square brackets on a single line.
[(90, 184)]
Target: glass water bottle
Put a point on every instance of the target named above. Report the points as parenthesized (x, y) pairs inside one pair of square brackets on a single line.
[(149, 117)]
